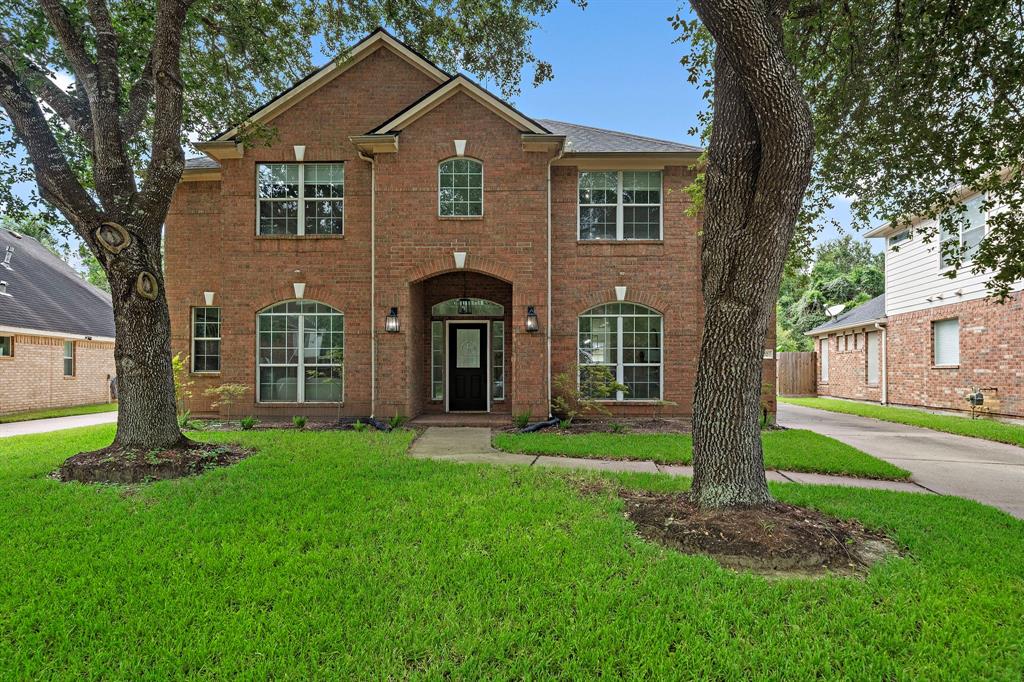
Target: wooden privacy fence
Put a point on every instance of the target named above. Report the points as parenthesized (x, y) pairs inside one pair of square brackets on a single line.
[(797, 373)]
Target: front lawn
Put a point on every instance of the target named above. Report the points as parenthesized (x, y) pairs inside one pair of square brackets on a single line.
[(987, 429), (57, 412), (789, 450), (333, 555)]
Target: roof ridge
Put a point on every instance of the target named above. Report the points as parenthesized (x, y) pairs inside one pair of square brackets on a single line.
[(620, 133)]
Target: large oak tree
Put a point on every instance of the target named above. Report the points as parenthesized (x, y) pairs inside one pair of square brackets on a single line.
[(105, 152)]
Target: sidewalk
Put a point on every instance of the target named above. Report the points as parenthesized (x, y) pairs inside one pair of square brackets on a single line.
[(473, 444), (56, 424)]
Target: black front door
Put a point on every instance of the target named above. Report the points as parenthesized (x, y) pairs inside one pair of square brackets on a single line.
[(467, 367)]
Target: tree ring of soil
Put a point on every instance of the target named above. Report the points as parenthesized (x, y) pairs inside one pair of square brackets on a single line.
[(115, 464), (779, 540)]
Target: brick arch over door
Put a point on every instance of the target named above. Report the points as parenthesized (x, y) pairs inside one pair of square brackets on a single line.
[(445, 264)]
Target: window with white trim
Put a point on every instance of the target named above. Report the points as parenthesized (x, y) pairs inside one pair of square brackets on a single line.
[(497, 360), (946, 342), (824, 359), (206, 339), (300, 353), (69, 358), (619, 205), (965, 238), (627, 339), (899, 238), (300, 198), (6, 346), (437, 360), (460, 188)]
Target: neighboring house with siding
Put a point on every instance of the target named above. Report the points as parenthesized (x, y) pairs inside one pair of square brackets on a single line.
[(409, 243), (930, 340), (56, 331)]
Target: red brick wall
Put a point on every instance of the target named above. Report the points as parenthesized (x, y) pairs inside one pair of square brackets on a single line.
[(991, 356), (847, 377), (33, 378)]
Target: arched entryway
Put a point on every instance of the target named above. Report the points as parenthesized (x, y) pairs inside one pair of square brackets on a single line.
[(462, 336)]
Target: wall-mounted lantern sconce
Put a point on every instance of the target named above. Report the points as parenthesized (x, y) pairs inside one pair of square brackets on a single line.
[(208, 297), (532, 324), (391, 321)]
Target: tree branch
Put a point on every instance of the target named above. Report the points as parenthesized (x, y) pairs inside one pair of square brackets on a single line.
[(71, 43), (69, 108), (138, 101)]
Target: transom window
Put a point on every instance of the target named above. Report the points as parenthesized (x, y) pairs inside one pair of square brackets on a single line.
[(964, 238), (300, 198), (626, 338), (206, 339), (460, 184), (300, 353), (69, 358), (467, 306), (620, 205)]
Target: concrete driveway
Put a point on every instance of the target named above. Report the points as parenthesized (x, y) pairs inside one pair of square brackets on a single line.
[(56, 424), (991, 473)]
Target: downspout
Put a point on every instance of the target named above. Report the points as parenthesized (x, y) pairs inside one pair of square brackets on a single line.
[(373, 282), (881, 327), (547, 332)]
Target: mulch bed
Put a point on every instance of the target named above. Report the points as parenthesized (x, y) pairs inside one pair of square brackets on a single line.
[(646, 425), (779, 540), (120, 465)]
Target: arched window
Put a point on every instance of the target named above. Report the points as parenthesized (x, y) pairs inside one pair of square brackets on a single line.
[(626, 338), (460, 187), (300, 353)]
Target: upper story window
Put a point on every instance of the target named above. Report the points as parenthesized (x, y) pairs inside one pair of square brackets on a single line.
[(206, 339), (619, 205), (460, 188), (969, 237), (69, 358), (300, 198), (899, 238)]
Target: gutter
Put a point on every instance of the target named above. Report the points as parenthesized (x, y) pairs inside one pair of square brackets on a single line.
[(25, 331), (373, 281), (883, 328), (547, 331)]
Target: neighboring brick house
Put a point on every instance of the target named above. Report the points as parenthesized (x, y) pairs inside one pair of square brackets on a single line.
[(56, 331), (931, 340), (409, 244)]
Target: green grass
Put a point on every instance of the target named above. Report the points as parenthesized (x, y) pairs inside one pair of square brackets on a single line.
[(333, 555), (57, 412), (986, 429), (789, 450)]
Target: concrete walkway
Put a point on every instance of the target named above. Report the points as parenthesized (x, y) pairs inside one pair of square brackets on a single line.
[(473, 444), (991, 473), (56, 424)]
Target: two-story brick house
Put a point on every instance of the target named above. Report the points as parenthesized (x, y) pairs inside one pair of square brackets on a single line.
[(411, 244), (931, 340)]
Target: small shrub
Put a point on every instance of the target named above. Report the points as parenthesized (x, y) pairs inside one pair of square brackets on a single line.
[(575, 398), (299, 421), (225, 394), (397, 421), (247, 423), (564, 423), (358, 426), (521, 419), (617, 427), (183, 418), (182, 383)]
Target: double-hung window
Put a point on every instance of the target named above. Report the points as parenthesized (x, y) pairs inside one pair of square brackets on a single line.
[(946, 343), (619, 205), (206, 339), (300, 198), (300, 353), (69, 358), (965, 237), (625, 338)]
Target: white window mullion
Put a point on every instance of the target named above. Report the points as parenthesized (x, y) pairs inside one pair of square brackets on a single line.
[(619, 211), (300, 388), (620, 372), (301, 228)]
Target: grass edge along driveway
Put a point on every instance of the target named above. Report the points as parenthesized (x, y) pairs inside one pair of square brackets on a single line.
[(334, 555), (788, 450), (32, 415), (986, 429)]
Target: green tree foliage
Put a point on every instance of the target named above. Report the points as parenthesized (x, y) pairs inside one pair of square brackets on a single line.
[(912, 103), (844, 270)]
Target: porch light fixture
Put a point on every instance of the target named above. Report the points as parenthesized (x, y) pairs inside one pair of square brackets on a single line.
[(391, 321), (532, 324), (465, 306)]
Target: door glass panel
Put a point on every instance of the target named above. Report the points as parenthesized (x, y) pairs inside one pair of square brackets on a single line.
[(467, 348)]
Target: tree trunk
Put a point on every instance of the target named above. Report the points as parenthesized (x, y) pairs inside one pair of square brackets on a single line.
[(759, 163), (147, 414)]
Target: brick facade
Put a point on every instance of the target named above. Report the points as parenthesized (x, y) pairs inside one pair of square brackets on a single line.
[(991, 359), (33, 377), (211, 245), (848, 368)]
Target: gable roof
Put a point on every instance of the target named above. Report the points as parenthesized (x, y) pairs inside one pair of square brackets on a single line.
[(866, 313), (442, 93), (45, 294), (316, 80), (588, 140)]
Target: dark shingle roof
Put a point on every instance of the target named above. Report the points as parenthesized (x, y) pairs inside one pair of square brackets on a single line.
[(588, 140), (868, 311), (201, 163), (46, 294)]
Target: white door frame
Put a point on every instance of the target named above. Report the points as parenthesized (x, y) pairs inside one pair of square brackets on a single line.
[(447, 374)]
